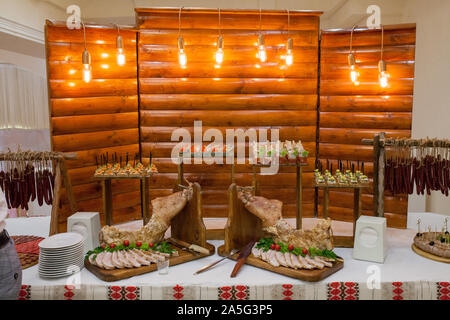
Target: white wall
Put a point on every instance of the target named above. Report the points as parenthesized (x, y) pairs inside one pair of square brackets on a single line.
[(431, 114)]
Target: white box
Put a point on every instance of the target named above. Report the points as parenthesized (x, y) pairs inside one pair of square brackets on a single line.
[(88, 225), (370, 239)]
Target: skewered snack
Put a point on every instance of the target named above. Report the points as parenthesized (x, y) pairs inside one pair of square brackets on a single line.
[(163, 208), (129, 255), (115, 168), (435, 243), (286, 151), (269, 211), (200, 150)]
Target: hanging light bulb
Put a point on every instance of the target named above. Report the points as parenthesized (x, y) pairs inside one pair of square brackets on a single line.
[(119, 45), (181, 54), (383, 76), (261, 47), (182, 59), (354, 73), (219, 52), (86, 60), (289, 46)]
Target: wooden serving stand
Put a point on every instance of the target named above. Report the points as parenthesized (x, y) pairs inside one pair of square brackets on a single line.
[(186, 226), (343, 241), (107, 195), (243, 227)]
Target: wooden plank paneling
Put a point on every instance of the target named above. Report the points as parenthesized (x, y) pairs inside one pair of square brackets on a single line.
[(243, 93), (95, 117), (349, 113)]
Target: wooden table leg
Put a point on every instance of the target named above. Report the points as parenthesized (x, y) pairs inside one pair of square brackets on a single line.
[(107, 201), (145, 200), (326, 200), (356, 207), (54, 220), (299, 194)]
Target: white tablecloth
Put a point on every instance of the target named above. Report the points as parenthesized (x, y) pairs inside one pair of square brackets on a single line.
[(404, 275)]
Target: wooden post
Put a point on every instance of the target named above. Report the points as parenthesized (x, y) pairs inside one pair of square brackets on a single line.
[(145, 200), (376, 153), (357, 199), (54, 220), (299, 195), (180, 172), (107, 201), (381, 167), (326, 200)]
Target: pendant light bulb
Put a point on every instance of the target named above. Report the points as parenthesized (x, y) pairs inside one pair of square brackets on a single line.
[(261, 49), (354, 73), (182, 59), (120, 53), (219, 52), (383, 75), (87, 71), (289, 55)]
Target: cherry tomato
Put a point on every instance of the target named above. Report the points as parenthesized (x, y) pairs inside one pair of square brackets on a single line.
[(305, 251), (272, 246), (151, 245), (103, 246), (278, 247), (291, 247), (126, 243), (138, 244), (112, 245)]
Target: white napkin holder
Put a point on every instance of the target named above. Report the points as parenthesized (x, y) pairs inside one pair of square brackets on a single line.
[(88, 225), (370, 239)]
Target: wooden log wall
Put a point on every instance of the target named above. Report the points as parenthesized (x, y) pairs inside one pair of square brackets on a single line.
[(350, 113), (240, 94), (96, 117)]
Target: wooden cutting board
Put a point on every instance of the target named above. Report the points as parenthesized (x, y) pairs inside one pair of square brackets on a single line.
[(302, 274), (429, 255), (119, 274)]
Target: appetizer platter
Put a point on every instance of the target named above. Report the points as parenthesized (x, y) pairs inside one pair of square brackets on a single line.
[(124, 254), (433, 245), (288, 152), (204, 151), (302, 254), (348, 176), (127, 169)]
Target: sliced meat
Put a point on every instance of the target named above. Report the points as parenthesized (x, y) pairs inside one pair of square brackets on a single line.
[(107, 261), (131, 259), (124, 259), (314, 263), (320, 260), (287, 257), (304, 263), (256, 252), (281, 259), (99, 260), (138, 258), (264, 255), (91, 259), (295, 261), (116, 261), (272, 259)]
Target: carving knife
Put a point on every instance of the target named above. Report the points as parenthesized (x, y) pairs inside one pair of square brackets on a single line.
[(245, 252), (193, 248), (209, 266)]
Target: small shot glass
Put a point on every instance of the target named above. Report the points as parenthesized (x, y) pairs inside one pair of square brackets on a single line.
[(163, 267)]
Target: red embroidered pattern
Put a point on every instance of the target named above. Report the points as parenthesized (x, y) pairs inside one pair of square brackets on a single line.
[(25, 292), (443, 290), (343, 291), (123, 293), (233, 293), (68, 292), (178, 295), (397, 291), (287, 293)]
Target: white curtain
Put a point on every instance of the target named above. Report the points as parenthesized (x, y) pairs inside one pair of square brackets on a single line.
[(23, 99)]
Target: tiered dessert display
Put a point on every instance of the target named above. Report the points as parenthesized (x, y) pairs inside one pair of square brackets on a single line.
[(347, 176), (433, 245), (123, 254)]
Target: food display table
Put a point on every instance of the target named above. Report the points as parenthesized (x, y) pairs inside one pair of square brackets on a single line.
[(404, 276)]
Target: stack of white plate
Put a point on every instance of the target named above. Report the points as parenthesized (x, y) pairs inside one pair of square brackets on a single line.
[(61, 255)]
